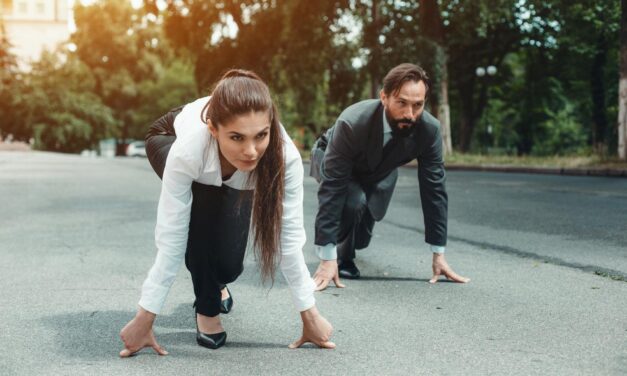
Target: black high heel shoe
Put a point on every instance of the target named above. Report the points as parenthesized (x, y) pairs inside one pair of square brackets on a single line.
[(211, 341), (226, 305)]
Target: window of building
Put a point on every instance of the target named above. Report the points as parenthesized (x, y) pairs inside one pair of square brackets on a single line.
[(22, 7), (40, 7), (7, 7)]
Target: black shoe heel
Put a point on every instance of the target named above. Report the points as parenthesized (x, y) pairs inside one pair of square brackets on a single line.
[(210, 341), (226, 305)]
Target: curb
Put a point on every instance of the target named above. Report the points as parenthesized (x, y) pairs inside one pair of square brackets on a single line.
[(602, 172)]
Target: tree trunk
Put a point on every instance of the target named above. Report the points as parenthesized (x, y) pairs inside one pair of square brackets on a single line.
[(376, 55), (467, 117), (597, 86), (444, 111), (466, 125), (622, 89), (431, 27)]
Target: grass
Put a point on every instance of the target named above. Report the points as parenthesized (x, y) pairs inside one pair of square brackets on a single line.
[(572, 161), (576, 161)]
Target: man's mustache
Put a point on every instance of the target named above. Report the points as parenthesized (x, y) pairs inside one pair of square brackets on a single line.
[(406, 121)]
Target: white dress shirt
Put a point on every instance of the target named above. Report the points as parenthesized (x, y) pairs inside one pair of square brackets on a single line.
[(329, 251), (194, 158)]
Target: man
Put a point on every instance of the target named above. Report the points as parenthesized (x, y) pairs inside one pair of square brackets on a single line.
[(356, 164)]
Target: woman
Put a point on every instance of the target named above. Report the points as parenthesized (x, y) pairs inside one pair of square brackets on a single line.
[(224, 160)]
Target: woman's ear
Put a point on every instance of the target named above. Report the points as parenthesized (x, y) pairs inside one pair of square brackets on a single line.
[(212, 129)]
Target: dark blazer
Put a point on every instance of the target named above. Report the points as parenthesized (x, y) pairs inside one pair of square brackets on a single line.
[(352, 150)]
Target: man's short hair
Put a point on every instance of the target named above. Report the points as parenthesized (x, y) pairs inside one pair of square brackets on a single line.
[(402, 73)]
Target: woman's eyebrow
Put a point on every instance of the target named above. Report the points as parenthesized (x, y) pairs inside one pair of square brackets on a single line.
[(240, 134), (264, 130)]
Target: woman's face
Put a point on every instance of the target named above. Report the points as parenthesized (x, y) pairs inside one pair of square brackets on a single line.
[(244, 139)]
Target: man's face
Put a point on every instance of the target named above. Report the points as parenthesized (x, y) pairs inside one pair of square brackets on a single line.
[(403, 109)]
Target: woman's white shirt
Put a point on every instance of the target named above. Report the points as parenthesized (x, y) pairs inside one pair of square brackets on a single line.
[(194, 157)]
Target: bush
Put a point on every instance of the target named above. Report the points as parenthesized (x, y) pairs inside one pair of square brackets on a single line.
[(560, 134)]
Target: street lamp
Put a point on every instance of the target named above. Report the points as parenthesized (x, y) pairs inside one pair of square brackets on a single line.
[(490, 70), (481, 72)]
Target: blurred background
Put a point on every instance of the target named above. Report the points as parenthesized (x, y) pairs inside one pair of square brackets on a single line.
[(509, 77)]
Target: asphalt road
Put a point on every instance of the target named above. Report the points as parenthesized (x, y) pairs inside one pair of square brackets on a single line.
[(547, 256)]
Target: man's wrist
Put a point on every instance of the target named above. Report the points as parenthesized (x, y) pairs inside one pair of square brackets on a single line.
[(326, 252), (440, 249)]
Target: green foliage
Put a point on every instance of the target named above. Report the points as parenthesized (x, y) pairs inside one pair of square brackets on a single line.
[(173, 87), (297, 47), (560, 134), (65, 113), (11, 94), (122, 48), (555, 90)]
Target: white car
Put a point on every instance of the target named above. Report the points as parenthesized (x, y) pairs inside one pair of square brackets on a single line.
[(136, 149)]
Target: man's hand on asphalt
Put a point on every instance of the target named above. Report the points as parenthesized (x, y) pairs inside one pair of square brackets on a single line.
[(316, 329), (327, 272), (441, 267), (138, 334)]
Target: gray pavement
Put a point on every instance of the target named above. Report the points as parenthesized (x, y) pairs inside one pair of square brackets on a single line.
[(76, 241)]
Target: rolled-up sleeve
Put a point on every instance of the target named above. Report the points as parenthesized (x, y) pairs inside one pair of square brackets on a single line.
[(172, 228), (293, 238)]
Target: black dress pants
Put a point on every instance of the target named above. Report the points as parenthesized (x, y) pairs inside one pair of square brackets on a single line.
[(356, 223), (218, 228)]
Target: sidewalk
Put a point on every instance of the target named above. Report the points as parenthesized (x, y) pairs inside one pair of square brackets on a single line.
[(608, 172), (14, 146), (591, 171)]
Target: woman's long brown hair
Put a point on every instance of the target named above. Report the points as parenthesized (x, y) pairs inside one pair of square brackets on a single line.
[(241, 92)]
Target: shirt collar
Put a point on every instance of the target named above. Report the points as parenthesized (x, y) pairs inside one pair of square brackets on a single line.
[(386, 125)]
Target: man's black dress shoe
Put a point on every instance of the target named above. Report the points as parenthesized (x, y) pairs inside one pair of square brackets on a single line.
[(227, 304), (347, 269)]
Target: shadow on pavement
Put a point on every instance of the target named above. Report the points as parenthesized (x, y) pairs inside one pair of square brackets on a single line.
[(94, 335), (389, 279)]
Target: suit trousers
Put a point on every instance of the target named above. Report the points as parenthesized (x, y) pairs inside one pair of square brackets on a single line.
[(356, 223), (218, 228)]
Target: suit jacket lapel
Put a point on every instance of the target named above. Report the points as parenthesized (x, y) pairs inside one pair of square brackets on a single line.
[(375, 139)]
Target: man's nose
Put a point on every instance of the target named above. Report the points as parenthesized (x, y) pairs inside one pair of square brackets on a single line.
[(410, 113)]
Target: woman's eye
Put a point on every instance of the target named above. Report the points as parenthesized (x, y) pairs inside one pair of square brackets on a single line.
[(262, 135), (236, 138)]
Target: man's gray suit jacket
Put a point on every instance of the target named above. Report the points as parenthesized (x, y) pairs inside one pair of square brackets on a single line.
[(352, 150)]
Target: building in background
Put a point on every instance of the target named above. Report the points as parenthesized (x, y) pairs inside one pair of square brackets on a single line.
[(34, 25)]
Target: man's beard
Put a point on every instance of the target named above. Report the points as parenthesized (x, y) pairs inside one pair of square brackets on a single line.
[(398, 131)]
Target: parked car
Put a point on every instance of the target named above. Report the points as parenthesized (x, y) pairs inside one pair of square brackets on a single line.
[(136, 149)]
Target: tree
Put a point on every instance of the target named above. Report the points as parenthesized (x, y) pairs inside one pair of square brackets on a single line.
[(121, 46), (65, 113), (287, 43), (433, 29), (12, 88), (173, 86), (622, 113), (588, 34)]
